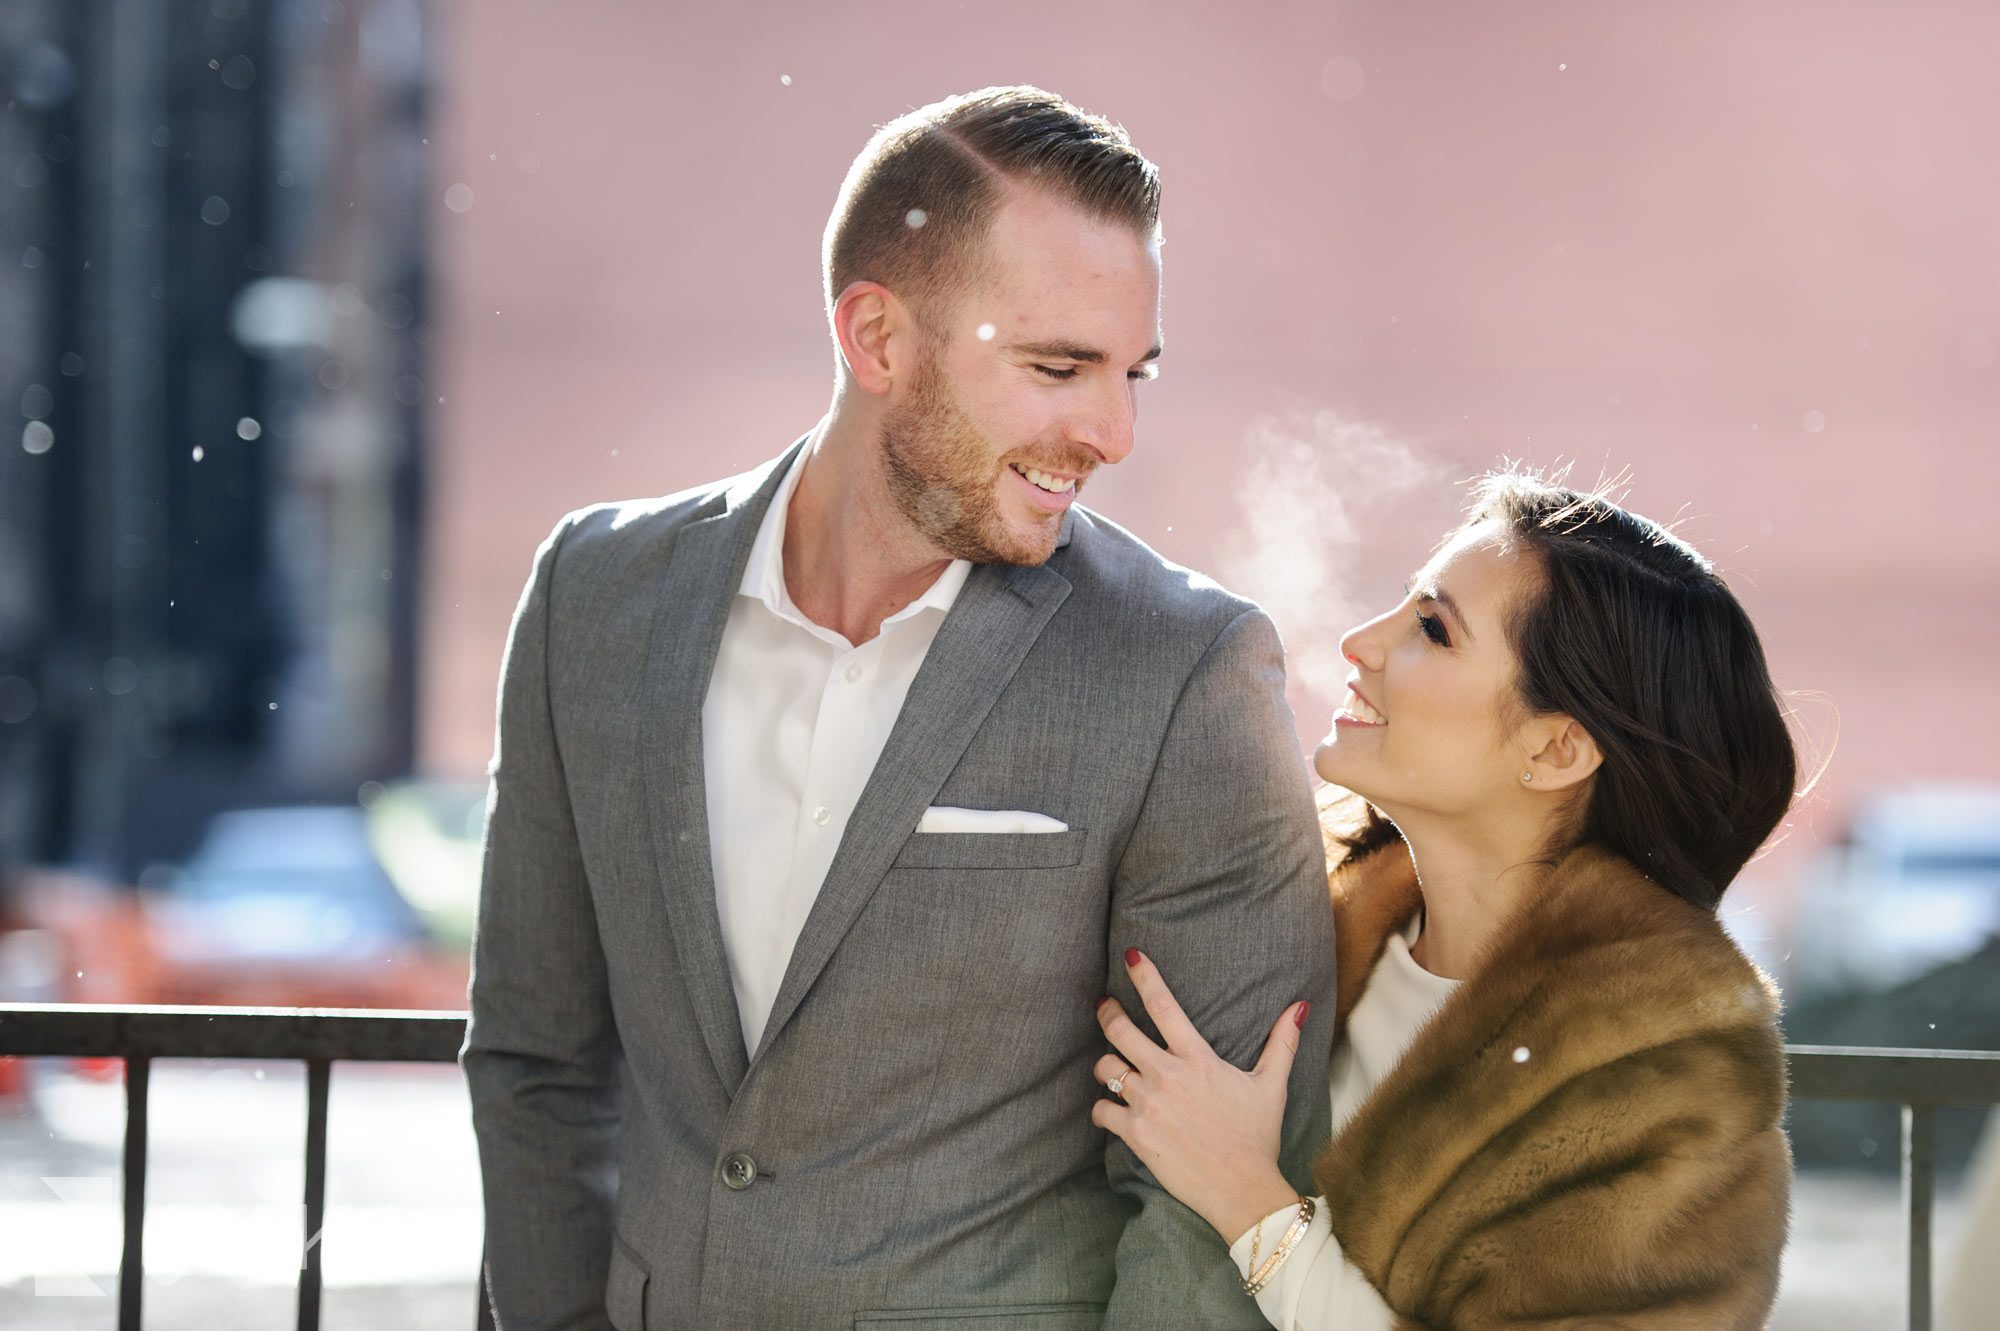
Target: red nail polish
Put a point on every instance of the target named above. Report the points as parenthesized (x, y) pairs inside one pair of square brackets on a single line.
[(1301, 1018), (1131, 956)]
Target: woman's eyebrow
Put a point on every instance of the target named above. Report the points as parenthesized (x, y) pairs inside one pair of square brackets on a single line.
[(1432, 592)]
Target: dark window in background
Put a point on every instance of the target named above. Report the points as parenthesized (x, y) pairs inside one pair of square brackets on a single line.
[(212, 346)]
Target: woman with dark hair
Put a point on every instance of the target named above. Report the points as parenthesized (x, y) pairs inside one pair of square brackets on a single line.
[(1557, 1085)]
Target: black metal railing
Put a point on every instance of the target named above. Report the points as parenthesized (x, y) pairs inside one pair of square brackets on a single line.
[(315, 1036), (1920, 1080)]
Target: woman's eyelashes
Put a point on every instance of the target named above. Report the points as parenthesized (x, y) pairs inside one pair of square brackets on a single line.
[(1433, 628)]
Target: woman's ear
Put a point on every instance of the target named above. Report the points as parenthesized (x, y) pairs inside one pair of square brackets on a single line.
[(1567, 757), (870, 325)]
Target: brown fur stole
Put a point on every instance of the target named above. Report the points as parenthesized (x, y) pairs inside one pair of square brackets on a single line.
[(1587, 1134)]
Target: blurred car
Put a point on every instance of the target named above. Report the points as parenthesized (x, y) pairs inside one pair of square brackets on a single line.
[(429, 834), (291, 906), (1915, 885)]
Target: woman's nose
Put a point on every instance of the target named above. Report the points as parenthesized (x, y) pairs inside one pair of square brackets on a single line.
[(1358, 646)]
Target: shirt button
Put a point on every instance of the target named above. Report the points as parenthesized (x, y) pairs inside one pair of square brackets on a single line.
[(822, 815), (739, 1171), (853, 673)]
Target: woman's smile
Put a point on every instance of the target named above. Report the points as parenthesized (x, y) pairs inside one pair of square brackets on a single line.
[(1356, 710)]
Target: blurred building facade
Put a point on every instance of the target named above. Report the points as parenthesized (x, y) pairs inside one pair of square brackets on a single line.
[(1743, 253), (213, 317), (1403, 242)]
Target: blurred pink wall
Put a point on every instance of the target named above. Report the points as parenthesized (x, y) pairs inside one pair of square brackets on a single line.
[(1746, 252)]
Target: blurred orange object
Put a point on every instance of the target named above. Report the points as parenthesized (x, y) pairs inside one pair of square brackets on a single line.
[(118, 945)]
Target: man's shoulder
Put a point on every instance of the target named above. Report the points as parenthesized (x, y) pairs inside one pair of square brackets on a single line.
[(637, 521), (1119, 574), (617, 528)]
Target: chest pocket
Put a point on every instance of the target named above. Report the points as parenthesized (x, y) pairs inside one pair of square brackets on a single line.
[(992, 850)]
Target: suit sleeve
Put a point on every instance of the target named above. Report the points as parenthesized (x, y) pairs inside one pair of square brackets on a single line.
[(541, 1054), (1223, 884)]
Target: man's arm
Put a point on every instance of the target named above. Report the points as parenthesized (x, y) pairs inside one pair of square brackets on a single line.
[(1223, 885), (541, 1054)]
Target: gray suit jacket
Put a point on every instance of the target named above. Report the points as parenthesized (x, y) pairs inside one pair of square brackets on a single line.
[(911, 1145)]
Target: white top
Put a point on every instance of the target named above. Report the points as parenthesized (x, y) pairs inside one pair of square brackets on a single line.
[(1317, 1288), (792, 724)]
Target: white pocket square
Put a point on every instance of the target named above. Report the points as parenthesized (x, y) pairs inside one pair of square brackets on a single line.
[(944, 818)]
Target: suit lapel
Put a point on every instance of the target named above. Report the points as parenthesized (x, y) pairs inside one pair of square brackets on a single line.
[(999, 613), (696, 593)]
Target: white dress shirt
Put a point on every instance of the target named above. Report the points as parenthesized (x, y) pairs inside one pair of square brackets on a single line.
[(793, 721), (1318, 1289)]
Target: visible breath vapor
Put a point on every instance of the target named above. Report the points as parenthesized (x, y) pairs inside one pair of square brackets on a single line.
[(1330, 505)]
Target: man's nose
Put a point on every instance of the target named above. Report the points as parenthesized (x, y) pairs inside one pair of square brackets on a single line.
[(1107, 425)]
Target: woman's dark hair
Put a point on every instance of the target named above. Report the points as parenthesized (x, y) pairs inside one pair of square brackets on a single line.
[(1629, 631)]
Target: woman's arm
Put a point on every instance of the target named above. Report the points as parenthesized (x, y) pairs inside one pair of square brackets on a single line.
[(1317, 1288), (1206, 1129), (1209, 1133)]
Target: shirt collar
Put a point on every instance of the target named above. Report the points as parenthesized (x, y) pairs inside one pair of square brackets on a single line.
[(764, 574)]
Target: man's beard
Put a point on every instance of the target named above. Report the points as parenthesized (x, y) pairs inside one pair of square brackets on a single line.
[(941, 476)]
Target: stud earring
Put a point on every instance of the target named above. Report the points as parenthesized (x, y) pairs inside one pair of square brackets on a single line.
[(1527, 776)]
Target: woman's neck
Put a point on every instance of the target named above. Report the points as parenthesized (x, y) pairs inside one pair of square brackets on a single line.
[(1471, 884)]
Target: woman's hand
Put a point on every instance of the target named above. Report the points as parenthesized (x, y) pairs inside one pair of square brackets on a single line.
[(1208, 1130)]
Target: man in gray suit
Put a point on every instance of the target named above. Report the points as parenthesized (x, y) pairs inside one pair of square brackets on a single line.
[(827, 799)]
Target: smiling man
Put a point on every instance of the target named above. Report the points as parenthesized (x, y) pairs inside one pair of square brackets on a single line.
[(827, 798)]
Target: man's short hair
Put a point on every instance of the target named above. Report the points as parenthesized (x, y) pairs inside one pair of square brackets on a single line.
[(917, 203)]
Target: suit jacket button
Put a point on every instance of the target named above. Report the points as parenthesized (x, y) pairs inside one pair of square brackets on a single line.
[(739, 1171)]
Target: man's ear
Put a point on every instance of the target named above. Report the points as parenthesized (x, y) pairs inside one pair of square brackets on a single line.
[(873, 330), (1567, 756)]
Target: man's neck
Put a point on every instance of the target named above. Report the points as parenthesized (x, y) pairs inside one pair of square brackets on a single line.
[(850, 561)]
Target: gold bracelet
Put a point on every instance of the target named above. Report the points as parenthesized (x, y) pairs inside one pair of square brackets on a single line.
[(1261, 1276), (1293, 1233)]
